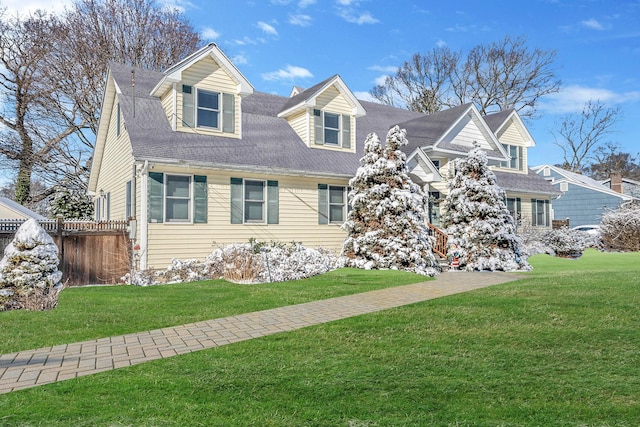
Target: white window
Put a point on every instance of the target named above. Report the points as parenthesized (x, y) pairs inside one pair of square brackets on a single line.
[(208, 111), (514, 205), (254, 201), (515, 157), (332, 129), (540, 213), (178, 198), (337, 204)]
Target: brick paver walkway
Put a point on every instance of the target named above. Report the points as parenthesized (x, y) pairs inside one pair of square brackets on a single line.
[(46, 365)]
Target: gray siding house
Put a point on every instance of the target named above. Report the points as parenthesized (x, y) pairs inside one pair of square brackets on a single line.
[(583, 200)]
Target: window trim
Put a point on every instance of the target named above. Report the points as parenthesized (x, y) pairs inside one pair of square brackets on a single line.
[(190, 200), (324, 204), (245, 201), (217, 111), (545, 213), (516, 214), (518, 159), (343, 130)]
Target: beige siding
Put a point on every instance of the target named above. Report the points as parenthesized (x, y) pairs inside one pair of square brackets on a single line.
[(300, 124), (332, 100), (466, 133), (168, 105), (7, 213), (511, 135), (116, 168), (207, 74), (298, 220)]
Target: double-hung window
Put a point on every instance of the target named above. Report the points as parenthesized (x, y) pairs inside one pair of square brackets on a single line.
[(254, 201), (514, 206), (177, 198), (332, 129), (332, 204), (540, 213), (208, 109), (515, 157)]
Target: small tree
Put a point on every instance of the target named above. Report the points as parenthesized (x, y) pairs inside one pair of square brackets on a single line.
[(71, 204), (387, 224), (29, 275), (482, 232)]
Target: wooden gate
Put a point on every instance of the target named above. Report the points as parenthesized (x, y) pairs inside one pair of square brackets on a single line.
[(90, 252)]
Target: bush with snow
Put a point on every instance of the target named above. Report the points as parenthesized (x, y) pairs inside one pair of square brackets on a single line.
[(29, 275), (562, 242), (482, 232), (252, 262), (620, 228), (386, 226)]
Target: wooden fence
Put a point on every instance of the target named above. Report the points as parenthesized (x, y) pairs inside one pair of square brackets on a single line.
[(90, 252)]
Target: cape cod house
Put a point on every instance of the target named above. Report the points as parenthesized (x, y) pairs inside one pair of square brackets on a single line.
[(200, 158)]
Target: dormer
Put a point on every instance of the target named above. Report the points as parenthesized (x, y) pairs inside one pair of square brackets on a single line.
[(203, 94), (324, 116), (514, 137)]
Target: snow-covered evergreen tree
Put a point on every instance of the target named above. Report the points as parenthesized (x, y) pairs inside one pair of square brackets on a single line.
[(29, 275), (71, 204), (387, 226), (482, 232)]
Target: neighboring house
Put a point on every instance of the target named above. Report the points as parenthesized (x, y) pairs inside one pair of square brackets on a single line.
[(622, 185), (201, 159), (584, 200), (12, 210)]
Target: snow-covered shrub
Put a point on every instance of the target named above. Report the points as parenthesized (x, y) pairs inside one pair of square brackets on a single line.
[(29, 275), (562, 242), (252, 262), (481, 230), (620, 228), (386, 227)]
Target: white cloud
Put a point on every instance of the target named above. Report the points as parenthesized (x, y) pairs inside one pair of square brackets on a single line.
[(289, 73), (239, 60), (345, 2), (305, 3), (209, 33), (592, 24), (572, 99), (384, 69), (300, 20), (379, 81), (179, 5), (364, 96), (267, 29), (358, 18), (26, 7), (441, 43)]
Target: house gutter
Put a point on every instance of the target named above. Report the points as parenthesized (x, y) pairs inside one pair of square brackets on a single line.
[(144, 225), (249, 169)]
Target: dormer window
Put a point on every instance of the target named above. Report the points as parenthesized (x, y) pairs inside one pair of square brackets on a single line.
[(207, 109), (515, 157), (332, 129)]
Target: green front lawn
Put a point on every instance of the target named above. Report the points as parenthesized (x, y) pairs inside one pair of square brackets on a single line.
[(97, 312), (558, 348)]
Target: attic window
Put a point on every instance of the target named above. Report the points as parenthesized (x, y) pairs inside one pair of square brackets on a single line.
[(208, 109), (332, 129)]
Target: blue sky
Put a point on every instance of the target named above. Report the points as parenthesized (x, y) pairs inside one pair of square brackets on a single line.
[(280, 43)]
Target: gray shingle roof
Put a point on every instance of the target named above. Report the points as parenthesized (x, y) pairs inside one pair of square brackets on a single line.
[(269, 143), (495, 120), (529, 183)]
